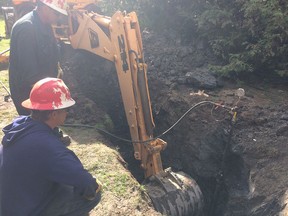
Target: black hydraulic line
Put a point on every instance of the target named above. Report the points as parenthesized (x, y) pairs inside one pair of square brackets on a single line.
[(99, 129), (162, 134)]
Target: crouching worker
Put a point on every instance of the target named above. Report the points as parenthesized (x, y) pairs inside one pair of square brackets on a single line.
[(39, 175)]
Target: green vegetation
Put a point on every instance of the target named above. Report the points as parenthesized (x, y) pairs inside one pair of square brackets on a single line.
[(4, 45), (4, 42), (248, 36), (119, 187), (4, 78)]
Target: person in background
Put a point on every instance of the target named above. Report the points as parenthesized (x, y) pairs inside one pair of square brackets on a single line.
[(38, 174), (34, 50)]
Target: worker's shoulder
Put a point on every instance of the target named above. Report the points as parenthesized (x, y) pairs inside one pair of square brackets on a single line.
[(25, 23), (49, 141)]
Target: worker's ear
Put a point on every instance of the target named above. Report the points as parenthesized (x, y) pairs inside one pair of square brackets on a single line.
[(53, 115)]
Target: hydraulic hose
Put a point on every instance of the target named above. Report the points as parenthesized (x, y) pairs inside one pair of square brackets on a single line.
[(162, 134)]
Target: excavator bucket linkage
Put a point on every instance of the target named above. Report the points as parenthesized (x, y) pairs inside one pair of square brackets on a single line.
[(175, 193)]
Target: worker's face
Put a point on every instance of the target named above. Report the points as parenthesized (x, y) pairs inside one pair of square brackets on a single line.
[(52, 16), (61, 116)]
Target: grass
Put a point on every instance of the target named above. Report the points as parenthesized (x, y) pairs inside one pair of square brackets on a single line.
[(4, 45), (4, 78), (122, 194), (5, 42)]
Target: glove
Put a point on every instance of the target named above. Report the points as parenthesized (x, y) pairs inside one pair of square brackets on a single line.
[(66, 140), (99, 186), (91, 191)]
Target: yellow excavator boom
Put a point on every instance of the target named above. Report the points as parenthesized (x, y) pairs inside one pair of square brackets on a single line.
[(118, 39), (123, 46)]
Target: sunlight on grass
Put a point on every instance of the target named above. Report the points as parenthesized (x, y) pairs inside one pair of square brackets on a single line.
[(4, 81), (4, 46), (4, 43), (102, 162)]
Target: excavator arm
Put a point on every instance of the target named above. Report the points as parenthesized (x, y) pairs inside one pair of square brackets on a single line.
[(118, 39)]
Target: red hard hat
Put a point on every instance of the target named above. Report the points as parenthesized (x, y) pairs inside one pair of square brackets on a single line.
[(58, 5), (49, 94)]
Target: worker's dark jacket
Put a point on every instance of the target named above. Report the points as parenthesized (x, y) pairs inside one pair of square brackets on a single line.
[(34, 55), (33, 162)]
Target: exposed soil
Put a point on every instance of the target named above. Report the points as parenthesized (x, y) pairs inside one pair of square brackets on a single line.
[(240, 166)]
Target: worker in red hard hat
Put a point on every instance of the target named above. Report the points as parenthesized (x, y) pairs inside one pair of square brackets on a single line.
[(34, 50), (38, 174)]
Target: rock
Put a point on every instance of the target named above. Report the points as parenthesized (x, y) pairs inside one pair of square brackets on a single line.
[(284, 117), (282, 131), (201, 78)]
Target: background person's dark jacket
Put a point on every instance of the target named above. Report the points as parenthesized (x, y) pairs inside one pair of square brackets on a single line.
[(34, 55), (32, 163)]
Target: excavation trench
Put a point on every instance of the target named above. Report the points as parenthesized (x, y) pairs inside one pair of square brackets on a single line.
[(200, 145)]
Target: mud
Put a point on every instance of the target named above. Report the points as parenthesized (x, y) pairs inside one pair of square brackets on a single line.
[(240, 165)]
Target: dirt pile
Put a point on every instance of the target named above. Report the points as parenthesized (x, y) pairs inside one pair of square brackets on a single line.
[(240, 168)]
